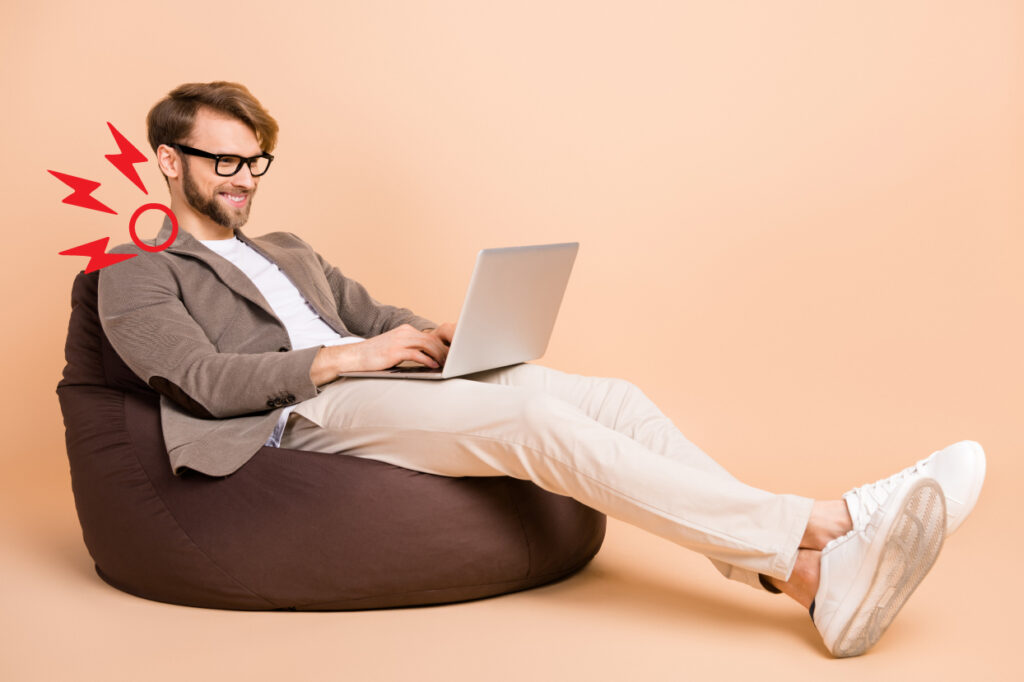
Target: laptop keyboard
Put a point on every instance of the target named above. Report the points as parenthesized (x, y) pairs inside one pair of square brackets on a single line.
[(411, 370)]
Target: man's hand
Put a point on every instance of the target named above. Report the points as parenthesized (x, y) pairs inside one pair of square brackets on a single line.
[(445, 333), (385, 350), (402, 343)]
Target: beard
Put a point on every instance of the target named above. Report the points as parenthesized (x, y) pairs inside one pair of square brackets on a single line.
[(213, 209)]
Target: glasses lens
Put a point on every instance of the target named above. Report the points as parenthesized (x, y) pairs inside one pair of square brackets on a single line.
[(259, 165), (228, 165)]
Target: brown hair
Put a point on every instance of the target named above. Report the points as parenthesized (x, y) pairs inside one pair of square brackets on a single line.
[(171, 119)]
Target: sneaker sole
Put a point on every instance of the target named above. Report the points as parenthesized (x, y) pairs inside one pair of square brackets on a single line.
[(910, 549)]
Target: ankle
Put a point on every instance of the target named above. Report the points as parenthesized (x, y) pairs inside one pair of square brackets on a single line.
[(830, 519), (803, 582)]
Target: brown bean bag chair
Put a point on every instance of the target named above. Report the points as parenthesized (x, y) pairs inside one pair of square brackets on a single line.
[(291, 529)]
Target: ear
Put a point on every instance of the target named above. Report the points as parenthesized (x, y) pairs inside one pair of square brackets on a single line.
[(169, 161)]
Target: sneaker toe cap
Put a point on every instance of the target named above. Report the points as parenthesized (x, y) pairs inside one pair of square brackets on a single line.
[(960, 471)]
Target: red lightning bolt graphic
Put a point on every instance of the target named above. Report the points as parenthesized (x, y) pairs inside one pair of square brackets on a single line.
[(124, 161), (96, 251), (82, 196)]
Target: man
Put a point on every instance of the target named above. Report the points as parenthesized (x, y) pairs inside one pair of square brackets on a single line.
[(244, 339)]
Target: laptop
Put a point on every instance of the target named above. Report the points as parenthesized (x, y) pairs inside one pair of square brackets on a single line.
[(508, 315)]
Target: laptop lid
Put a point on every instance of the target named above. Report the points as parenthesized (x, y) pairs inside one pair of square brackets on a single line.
[(510, 308)]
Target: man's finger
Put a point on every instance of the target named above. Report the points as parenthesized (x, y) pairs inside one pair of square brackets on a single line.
[(423, 359), (429, 346), (445, 332), (438, 351), (435, 342)]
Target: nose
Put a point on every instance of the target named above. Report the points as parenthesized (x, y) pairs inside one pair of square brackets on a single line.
[(243, 178)]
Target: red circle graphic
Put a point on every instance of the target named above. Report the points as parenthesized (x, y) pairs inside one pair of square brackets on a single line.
[(135, 238)]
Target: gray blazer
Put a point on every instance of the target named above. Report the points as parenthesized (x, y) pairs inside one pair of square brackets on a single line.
[(197, 330)]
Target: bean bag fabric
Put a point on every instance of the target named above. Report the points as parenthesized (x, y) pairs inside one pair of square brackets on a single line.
[(291, 529)]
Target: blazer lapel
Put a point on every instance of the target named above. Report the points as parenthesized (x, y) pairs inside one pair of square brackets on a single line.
[(297, 270), (293, 267), (187, 245)]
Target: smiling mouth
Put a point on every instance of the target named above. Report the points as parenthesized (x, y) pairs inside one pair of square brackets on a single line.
[(235, 199)]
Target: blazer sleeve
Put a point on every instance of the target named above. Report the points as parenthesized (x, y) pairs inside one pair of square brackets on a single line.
[(150, 328), (362, 314)]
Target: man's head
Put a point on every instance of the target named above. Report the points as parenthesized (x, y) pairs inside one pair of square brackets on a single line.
[(195, 121)]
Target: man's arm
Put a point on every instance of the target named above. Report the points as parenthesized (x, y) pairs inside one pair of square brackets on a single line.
[(383, 351), (150, 328)]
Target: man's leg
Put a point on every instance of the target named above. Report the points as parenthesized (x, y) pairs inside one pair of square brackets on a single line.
[(615, 403), (857, 559), (474, 428), (620, 405)]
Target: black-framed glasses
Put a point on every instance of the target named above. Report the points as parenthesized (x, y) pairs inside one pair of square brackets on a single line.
[(227, 165)]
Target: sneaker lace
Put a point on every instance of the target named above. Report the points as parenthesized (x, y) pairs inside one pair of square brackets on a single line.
[(869, 497)]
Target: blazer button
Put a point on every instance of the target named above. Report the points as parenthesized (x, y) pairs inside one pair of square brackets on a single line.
[(270, 403), (291, 398)]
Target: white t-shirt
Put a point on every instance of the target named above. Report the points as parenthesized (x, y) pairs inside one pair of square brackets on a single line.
[(305, 327)]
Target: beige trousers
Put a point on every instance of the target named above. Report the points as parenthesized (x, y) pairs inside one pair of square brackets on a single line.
[(598, 440)]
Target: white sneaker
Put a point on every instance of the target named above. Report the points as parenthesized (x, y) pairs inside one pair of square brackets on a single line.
[(868, 574), (959, 470)]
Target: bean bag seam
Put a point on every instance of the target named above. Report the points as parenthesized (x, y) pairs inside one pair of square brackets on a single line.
[(135, 450)]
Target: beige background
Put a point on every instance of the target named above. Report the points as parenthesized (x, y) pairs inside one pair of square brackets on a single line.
[(801, 228)]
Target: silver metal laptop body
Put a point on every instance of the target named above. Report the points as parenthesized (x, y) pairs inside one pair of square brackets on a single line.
[(509, 312)]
